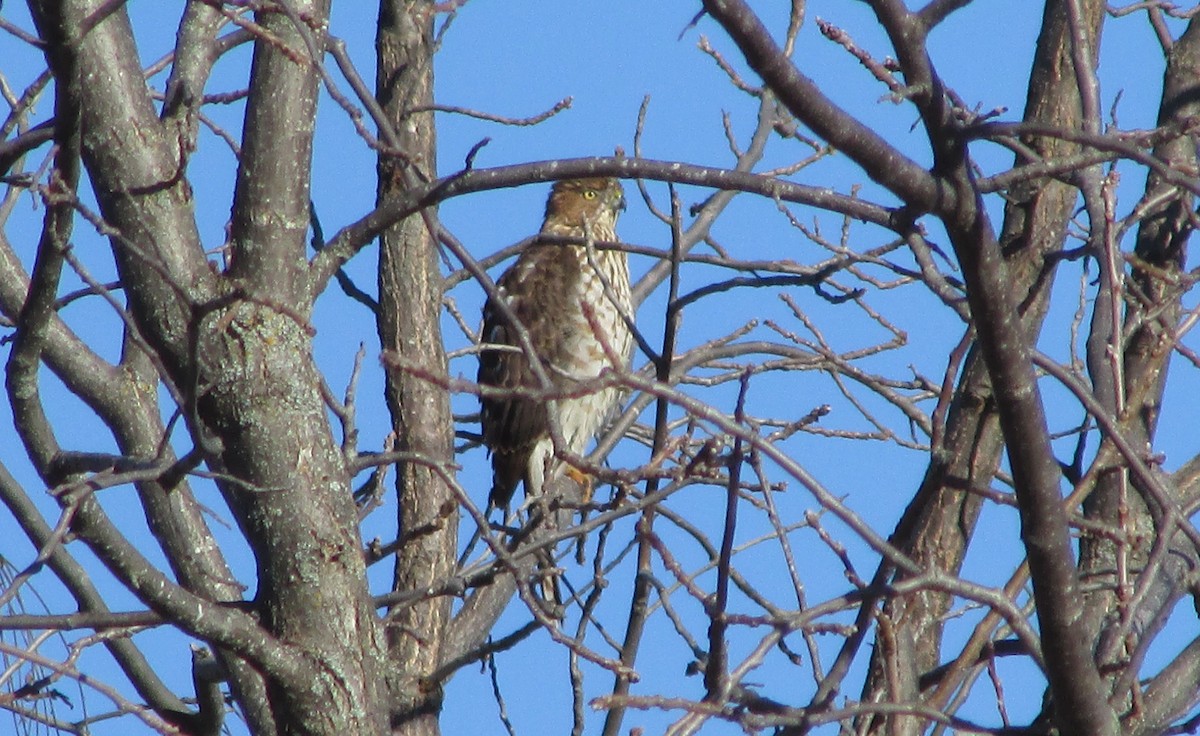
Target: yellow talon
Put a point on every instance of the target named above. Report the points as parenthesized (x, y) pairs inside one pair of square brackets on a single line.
[(585, 481)]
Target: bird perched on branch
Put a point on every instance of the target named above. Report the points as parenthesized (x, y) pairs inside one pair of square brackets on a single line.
[(572, 301)]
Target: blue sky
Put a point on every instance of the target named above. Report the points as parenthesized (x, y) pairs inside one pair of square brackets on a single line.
[(517, 58)]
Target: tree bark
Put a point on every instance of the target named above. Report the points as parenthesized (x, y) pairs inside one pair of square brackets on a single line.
[(938, 525), (240, 346), (1151, 313), (410, 307)]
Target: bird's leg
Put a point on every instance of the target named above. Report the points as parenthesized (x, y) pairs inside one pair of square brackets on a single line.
[(587, 483)]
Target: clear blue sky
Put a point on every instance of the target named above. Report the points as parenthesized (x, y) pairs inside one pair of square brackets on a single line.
[(517, 58)]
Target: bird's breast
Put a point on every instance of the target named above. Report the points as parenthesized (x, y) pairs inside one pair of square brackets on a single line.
[(597, 332)]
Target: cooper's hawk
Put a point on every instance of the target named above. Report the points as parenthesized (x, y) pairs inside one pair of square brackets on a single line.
[(547, 290)]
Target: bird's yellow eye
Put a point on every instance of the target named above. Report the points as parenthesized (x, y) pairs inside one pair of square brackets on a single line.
[(589, 193)]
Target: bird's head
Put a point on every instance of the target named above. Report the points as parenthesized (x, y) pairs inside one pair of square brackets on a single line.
[(594, 201)]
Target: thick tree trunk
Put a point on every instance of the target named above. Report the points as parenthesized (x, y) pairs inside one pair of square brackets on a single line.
[(938, 525), (240, 346), (1112, 567), (410, 305)]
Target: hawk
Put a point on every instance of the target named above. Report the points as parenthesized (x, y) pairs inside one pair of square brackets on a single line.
[(547, 290)]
